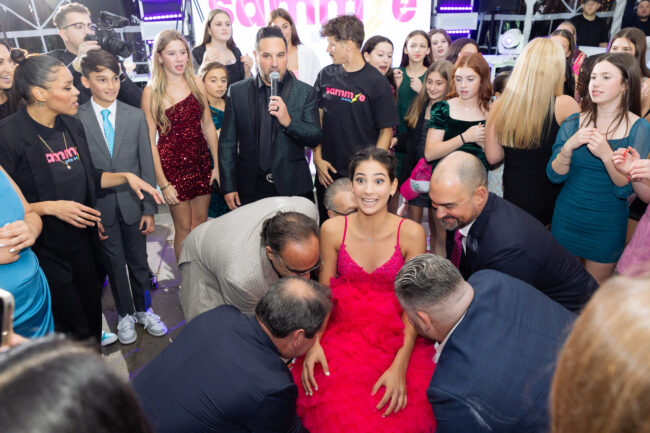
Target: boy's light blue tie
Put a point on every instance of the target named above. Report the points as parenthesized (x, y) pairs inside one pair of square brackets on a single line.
[(109, 132)]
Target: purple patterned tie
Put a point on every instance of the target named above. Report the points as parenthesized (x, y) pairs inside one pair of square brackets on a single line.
[(458, 248)]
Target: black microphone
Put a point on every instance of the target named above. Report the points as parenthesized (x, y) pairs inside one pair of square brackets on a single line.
[(275, 77)]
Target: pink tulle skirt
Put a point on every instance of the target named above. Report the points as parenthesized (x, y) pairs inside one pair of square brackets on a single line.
[(363, 335)]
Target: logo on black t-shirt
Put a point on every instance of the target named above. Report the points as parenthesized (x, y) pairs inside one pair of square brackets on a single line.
[(345, 95)]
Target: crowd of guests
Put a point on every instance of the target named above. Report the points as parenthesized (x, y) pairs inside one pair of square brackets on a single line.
[(362, 322)]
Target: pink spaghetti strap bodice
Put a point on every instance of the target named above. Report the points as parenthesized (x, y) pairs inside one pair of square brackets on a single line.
[(349, 269)]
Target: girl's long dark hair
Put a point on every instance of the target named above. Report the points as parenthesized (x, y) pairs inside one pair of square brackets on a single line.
[(631, 98), (428, 59), (13, 98), (370, 45), (636, 38)]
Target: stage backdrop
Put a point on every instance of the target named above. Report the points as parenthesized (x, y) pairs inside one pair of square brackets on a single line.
[(391, 18)]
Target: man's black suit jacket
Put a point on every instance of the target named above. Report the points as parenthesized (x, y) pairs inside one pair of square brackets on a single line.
[(221, 374), (239, 147), (494, 372), (510, 240)]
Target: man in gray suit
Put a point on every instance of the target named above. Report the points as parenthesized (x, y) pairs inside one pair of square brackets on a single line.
[(233, 259), (118, 139)]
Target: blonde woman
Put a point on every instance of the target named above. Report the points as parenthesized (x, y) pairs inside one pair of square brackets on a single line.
[(602, 379), (175, 106), (523, 124)]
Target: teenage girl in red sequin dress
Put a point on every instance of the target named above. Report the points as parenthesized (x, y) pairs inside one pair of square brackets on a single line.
[(367, 372), (176, 108)]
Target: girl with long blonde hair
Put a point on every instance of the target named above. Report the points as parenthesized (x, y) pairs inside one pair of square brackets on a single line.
[(175, 107), (523, 124)]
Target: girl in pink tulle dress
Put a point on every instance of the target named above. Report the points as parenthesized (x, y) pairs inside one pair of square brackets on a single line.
[(636, 257), (378, 370)]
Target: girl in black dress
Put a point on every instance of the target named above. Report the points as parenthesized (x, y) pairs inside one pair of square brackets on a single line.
[(523, 124), (219, 46)]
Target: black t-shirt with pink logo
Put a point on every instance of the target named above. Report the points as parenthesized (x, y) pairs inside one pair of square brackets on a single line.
[(356, 105), (66, 167)]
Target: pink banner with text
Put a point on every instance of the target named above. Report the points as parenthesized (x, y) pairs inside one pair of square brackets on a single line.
[(391, 18)]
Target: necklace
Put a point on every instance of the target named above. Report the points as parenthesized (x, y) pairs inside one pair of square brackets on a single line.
[(52, 151)]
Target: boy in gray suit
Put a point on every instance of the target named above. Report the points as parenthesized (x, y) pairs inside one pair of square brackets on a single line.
[(118, 139)]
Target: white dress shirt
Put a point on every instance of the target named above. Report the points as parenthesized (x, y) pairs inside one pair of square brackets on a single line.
[(465, 231), (98, 113), (440, 346)]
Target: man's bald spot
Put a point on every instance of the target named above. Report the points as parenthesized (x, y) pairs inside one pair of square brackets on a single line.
[(463, 168), (298, 288)]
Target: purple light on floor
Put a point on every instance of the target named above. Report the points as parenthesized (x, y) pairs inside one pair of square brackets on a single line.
[(162, 17), (455, 8)]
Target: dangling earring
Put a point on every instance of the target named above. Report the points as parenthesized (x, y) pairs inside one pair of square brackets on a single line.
[(40, 103)]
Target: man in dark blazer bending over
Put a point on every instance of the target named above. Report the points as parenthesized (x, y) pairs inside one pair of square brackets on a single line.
[(263, 137), (491, 233), (497, 340), (225, 372)]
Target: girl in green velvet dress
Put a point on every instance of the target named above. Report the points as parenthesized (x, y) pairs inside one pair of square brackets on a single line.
[(459, 122), (215, 77)]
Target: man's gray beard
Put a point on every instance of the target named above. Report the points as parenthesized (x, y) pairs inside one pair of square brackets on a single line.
[(456, 225)]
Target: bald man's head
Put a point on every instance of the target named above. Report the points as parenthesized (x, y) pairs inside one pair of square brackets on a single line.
[(461, 167), (458, 189)]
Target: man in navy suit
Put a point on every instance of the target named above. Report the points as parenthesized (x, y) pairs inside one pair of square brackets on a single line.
[(225, 372), (487, 232), (497, 341)]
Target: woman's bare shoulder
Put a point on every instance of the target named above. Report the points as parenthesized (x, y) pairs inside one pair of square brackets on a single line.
[(411, 230), (332, 229)]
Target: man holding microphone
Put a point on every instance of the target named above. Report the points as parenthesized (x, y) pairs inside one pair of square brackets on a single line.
[(263, 135)]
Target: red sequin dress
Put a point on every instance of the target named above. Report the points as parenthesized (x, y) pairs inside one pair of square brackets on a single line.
[(363, 335), (184, 153)]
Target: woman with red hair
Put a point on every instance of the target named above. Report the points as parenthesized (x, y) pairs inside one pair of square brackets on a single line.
[(459, 122)]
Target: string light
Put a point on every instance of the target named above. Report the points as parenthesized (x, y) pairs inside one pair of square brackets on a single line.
[(455, 8), (162, 17)]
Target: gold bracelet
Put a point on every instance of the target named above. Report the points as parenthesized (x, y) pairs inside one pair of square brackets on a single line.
[(165, 186)]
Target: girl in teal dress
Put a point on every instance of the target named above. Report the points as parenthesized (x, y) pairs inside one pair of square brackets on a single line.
[(20, 273), (591, 212), (215, 78), (459, 122)]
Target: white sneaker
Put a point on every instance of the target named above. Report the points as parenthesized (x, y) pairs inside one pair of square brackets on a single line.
[(151, 323), (108, 338), (125, 329)]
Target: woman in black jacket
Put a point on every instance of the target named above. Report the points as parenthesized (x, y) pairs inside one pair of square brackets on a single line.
[(43, 148)]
